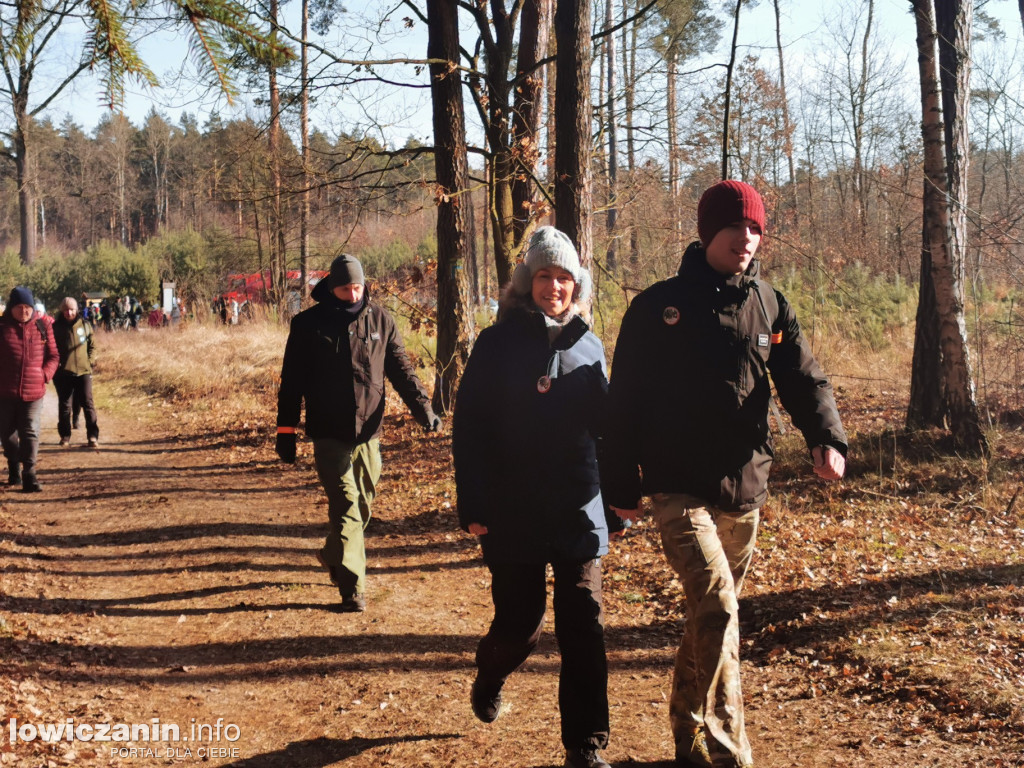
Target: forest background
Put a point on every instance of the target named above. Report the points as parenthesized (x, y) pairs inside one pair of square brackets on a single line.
[(884, 623), (836, 151)]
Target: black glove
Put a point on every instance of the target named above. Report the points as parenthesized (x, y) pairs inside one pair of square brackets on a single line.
[(435, 425), (285, 446)]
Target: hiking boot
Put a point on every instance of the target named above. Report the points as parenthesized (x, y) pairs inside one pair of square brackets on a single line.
[(64, 442), (585, 758), (29, 484), (486, 700), (352, 603), (13, 473), (94, 443), (692, 752)]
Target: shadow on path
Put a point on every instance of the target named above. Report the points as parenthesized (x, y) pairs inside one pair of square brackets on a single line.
[(316, 753)]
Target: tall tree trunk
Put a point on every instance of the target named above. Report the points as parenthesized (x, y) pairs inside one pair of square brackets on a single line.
[(629, 46), (671, 116), (787, 125), (454, 205), (550, 122), (573, 201), (613, 153), (859, 174), (728, 89), (26, 192), (533, 42), (955, 363), (304, 130), (276, 233), (954, 19)]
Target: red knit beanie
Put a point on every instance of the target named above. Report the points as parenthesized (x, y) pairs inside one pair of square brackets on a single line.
[(726, 203)]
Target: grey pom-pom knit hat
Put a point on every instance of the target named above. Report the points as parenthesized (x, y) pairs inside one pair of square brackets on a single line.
[(550, 247)]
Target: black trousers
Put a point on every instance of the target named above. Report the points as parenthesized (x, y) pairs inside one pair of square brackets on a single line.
[(519, 591), (71, 388)]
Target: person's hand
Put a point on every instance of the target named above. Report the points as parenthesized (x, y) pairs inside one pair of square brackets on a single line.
[(477, 529), (435, 425), (630, 515), (285, 447), (621, 532), (829, 464)]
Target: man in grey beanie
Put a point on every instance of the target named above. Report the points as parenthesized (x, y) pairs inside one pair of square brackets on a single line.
[(338, 354)]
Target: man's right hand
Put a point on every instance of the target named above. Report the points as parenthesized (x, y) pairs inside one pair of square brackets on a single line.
[(285, 446)]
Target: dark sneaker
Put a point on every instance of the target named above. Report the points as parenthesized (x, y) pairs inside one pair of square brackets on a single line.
[(692, 752), (352, 604), (29, 484), (65, 442), (585, 758), (94, 443), (13, 474), (486, 700)]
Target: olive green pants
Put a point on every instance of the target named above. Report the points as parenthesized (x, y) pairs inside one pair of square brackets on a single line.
[(710, 550), (349, 475)]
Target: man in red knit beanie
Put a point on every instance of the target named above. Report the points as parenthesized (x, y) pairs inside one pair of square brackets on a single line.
[(688, 427)]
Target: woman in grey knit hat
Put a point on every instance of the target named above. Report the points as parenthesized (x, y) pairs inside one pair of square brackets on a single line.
[(527, 481)]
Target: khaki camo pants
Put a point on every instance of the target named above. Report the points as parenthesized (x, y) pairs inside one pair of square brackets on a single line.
[(710, 550)]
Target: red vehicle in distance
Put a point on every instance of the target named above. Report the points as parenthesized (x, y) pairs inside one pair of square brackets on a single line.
[(247, 290)]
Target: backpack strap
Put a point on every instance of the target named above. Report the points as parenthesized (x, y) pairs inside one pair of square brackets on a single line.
[(41, 327)]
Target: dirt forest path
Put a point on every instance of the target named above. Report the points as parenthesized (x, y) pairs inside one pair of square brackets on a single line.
[(171, 575)]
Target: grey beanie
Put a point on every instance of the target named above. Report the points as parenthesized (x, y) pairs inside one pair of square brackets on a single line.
[(550, 247), (345, 270)]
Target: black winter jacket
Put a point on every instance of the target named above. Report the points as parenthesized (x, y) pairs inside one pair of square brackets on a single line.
[(689, 391), (338, 366), (523, 441)]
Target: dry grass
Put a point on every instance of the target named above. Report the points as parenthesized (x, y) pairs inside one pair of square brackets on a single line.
[(236, 369)]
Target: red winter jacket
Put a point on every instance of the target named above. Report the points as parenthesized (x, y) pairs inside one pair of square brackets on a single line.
[(28, 357)]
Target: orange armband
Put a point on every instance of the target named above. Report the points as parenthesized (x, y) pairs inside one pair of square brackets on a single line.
[(286, 430)]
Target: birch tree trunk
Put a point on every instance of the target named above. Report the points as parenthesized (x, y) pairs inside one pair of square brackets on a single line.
[(954, 354)]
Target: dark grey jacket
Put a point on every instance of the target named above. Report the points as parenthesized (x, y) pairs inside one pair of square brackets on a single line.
[(338, 364), (689, 390)]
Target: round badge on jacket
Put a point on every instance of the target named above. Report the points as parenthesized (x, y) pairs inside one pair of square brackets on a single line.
[(543, 384), (670, 315)]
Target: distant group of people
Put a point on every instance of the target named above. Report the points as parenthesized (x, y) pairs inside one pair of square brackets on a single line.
[(34, 350), (552, 459)]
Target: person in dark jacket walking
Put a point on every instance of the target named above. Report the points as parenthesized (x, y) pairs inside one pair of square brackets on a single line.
[(73, 380), (338, 354), (526, 475), (688, 426), (28, 360)]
